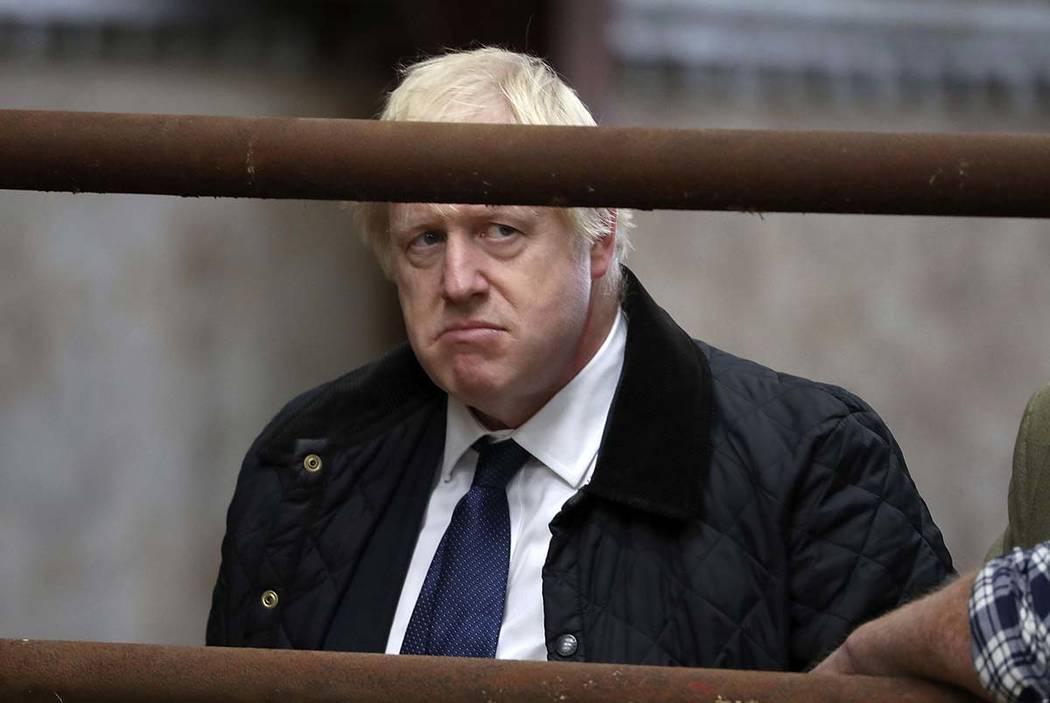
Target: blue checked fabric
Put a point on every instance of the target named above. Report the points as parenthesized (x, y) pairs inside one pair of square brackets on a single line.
[(1010, 622), (460, 607)]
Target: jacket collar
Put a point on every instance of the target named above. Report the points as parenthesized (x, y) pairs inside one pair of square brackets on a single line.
[(657, 442), (656, 445)]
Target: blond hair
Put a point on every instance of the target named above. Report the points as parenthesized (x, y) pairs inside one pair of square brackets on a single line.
[(460, 87)]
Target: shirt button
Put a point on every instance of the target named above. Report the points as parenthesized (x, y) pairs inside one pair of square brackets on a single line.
[(269, 599), (312, 463), (566, 645)]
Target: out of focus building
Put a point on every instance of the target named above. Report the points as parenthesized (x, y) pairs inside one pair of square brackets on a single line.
[(935, 321), (147, 339)]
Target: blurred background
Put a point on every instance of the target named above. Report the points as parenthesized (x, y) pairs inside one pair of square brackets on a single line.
[(146, 339)]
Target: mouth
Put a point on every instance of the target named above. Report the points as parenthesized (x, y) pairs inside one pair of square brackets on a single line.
[(469, 331)]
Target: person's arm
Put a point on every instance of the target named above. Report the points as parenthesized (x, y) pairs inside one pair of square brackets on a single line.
[(988, 633), (1010, 622), (928, 638)]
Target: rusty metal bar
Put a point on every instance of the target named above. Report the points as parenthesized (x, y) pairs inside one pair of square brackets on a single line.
[(92, 672), (757, 171)]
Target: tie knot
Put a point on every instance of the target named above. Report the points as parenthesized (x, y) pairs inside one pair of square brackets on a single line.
[(498, 462)]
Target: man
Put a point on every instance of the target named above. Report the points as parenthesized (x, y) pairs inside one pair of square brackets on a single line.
[(988, 632), (553, 468)]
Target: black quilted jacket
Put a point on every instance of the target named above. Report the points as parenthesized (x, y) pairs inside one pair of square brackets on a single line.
[(737, 517)]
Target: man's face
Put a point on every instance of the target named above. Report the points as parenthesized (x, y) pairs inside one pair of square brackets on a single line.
[(496, 301)]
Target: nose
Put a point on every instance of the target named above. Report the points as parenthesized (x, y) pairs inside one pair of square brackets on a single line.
[(463, 276)]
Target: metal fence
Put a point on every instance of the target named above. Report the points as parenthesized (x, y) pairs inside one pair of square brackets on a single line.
[(754, 171), (994, 175), (90, 672)]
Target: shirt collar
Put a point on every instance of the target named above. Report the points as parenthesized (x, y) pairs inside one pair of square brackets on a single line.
[(564, 434)]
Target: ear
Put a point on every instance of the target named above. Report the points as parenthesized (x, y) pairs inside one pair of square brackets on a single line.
[(602, 251)]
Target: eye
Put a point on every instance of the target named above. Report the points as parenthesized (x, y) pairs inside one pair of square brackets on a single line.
[(427, 239), (497, 231)]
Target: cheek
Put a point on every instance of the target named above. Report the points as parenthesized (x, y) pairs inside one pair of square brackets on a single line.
[(574, 291), (558, 276), (558, 305), (413, 308), (414, 288)]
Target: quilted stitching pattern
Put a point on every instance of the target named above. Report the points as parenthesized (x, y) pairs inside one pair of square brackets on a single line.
[(810, 524), (302, 534)]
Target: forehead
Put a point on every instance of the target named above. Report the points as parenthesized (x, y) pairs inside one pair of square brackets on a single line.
[(409, 215)]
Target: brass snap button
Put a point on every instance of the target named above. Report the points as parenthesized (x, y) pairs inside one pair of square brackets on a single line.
[(312, 463), (269, 599)]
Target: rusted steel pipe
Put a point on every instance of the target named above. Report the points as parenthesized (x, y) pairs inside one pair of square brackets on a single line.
[(91, 672), (758, 171)]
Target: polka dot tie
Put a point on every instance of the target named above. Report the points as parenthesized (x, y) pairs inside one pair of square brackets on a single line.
[(460, 607)]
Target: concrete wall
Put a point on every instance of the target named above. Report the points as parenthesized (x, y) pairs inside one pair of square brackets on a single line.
[(148, 339), (940, 323)]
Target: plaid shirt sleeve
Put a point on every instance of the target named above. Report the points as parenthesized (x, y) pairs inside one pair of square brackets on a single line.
[(1010, 622)]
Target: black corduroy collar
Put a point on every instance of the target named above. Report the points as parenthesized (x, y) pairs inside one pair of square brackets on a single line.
[(656, 447)]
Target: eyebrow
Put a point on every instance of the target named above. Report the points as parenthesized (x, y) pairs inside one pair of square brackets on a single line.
[(432, 211)]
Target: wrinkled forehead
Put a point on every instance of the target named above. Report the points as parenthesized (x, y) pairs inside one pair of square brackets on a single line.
[(409, 215)]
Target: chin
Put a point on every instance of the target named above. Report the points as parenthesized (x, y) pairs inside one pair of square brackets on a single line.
[(474, 386), (474, 392)]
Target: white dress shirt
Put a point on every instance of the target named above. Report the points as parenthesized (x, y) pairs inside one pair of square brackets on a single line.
[(563, 439)]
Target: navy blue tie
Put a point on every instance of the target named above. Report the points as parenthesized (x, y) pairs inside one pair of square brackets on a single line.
[(460, 607)]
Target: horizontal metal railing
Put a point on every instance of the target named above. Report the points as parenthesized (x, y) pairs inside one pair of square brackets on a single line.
[(92, 672), (747, 170), (757, 171)]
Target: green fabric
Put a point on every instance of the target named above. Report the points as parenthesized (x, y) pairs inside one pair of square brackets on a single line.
[(1028, 509)]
